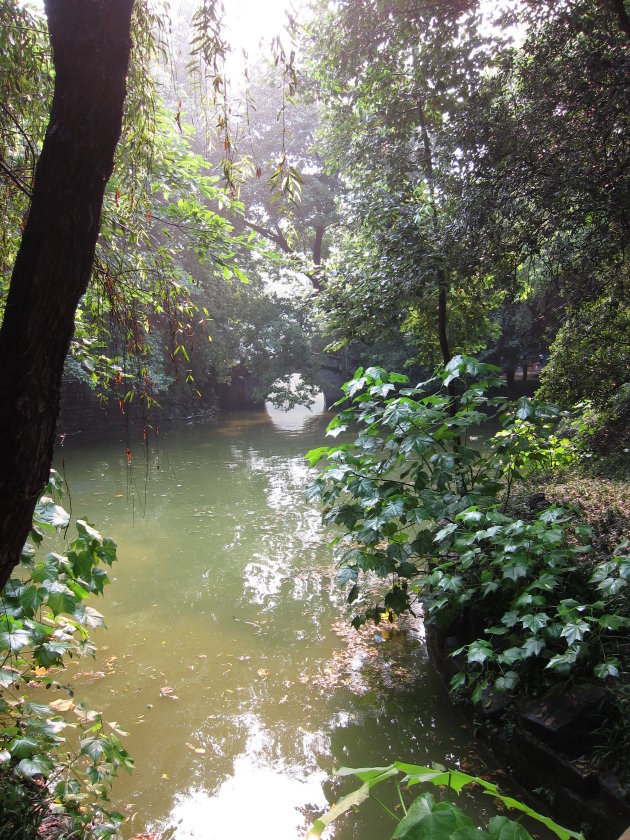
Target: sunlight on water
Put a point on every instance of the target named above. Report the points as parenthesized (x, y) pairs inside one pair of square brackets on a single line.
[(229, 657), (257, 801)]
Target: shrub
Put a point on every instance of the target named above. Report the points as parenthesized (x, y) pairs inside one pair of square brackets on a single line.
[(57, 759)]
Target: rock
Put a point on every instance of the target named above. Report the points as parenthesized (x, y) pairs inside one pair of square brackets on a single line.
[(492, 703), (537, 502), (565, 721)]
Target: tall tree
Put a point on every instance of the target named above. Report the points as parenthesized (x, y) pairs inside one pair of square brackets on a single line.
[(393, 76), (91, 45), (545, 167)]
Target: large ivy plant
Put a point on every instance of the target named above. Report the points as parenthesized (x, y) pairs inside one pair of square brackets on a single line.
[(418, 494), (57, 756)]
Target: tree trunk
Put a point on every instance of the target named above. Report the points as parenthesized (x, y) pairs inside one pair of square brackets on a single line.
[(91, 44), (317, 244), (445, 349)]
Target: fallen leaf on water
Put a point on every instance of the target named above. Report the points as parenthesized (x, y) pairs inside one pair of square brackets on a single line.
[(117, 728), (61, 705), (88, 715)]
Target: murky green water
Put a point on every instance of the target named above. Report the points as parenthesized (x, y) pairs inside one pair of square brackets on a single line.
[(228, 658)]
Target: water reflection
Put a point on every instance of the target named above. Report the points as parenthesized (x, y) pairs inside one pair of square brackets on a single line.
[(229, 657), (261, 800), (296, 419)]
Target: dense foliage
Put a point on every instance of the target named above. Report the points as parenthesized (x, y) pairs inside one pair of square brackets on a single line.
[(423, 502), (485, 182), (57, 756)]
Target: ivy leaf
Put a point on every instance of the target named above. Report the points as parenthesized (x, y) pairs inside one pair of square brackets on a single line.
[(479, 652), (613, 622), (36, 764), (533, 647), (8, 676), (507, 682), (32, 599), (514, 571), (14, 639), (346, 574), (23, 747), (574, 631), (563, 662), (609, 668), (445, 532), (612, 586), (50, 514), (510, 656), (535, 622), (315, 455), (94, 747)]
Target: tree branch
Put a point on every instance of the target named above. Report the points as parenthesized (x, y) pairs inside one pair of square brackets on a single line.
[(278, 238), (15, 178)]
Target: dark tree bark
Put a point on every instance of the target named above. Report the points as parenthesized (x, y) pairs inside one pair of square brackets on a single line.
[(91, 44), (442, 322), (619, 8), (317, 244)]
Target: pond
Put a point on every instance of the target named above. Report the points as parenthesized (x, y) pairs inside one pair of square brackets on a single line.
[(229, 658)]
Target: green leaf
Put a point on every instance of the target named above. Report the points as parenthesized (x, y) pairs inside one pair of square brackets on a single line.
[(574, 631), (507, 682), (24, 746), (426, 820), (14, 639), (445, 532), (341, 807), (533, 647), (32, 599), (315, 455), (501, 828), (50, 514), (510, 656), (94, 747), (609, 668), (479, 652), (515, 570), (535, 622), (36, 764), (8, 676)]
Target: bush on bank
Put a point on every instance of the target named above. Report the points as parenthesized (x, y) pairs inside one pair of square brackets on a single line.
[(419, 495), (57, 756)]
